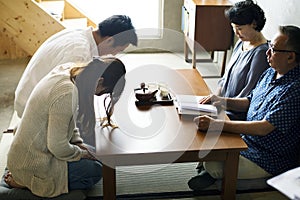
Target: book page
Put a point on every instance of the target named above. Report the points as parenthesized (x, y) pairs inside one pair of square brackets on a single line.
[(287, 183), (189, 104)]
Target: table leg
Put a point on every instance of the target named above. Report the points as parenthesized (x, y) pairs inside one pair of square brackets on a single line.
[(109, 183), (194, 59), (186, 51), (212, 55), (224, 63), (230, 176)]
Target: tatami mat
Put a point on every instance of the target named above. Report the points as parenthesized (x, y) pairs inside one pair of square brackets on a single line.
[(151, 179)]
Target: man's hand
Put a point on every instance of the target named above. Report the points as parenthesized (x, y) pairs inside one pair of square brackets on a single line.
[(203, 122)]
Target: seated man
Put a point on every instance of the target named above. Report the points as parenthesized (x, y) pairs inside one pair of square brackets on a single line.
[(271, 130)]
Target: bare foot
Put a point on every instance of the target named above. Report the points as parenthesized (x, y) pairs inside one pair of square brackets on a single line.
[(11, 182)]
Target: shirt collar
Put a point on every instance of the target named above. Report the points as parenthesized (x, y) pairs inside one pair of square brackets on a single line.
[(290, 76)]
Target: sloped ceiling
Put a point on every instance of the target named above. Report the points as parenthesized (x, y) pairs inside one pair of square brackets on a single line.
[(27, 24)]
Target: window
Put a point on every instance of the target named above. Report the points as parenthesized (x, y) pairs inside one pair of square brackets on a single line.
[(146, 15)]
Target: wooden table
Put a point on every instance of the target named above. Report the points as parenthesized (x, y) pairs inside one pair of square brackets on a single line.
[(157, 135)]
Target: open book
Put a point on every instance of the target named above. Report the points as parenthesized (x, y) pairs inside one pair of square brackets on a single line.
[(287, 183), (189, 105)]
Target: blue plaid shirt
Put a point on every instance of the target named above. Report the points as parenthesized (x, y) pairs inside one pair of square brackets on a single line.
[(278, 102)]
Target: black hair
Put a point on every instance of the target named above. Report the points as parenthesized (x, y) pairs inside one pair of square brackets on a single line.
[(293, 42), (119, 27), (246, 12)]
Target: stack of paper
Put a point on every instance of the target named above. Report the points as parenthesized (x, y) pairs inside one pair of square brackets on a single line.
[(189, 105)]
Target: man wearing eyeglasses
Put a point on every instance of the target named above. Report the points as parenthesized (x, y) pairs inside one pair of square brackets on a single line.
[(273, 112)]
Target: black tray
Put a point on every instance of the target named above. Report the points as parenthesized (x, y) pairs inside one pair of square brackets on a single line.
[(156, 100)]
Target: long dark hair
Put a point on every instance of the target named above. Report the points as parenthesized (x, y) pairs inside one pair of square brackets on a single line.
[(86, 79)]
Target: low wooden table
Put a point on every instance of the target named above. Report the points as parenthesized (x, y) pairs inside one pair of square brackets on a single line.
[(157, 135)]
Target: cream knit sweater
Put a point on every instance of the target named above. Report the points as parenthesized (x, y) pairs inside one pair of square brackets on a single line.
[(43, 145)]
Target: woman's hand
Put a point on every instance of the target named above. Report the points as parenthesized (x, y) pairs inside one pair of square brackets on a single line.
[(81, 146), (88, 155), (206, 99), (214, 100)]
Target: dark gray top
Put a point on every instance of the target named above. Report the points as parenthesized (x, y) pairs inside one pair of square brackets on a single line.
[(243, 71)]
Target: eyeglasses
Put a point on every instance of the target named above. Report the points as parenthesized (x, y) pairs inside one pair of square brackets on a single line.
[(271, 47)]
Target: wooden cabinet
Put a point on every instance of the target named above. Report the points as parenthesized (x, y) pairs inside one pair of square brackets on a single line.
[(205, 27)]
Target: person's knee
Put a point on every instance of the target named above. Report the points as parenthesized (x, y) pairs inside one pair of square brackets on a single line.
[(94, 169), (84, 174), (97, 170)]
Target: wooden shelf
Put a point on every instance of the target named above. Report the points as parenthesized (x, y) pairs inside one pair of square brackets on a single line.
[(206, 28)]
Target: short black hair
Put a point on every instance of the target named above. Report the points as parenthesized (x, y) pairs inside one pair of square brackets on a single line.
[(246, 12), (120, 27), (293, 42)]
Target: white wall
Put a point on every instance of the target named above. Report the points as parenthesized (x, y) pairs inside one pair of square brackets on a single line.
[(279, 12)]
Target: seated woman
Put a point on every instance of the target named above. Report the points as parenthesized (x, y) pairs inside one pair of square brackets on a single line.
[(48, 155), (248, 60)]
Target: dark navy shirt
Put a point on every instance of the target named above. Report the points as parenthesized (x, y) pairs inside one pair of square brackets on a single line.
[(242, 73), (278, 102)]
